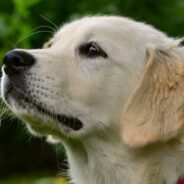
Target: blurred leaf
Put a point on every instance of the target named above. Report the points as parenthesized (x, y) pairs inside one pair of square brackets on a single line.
[(21, 6), (59, 180)]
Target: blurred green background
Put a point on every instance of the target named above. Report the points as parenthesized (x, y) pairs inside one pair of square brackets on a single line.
[(23, 158)]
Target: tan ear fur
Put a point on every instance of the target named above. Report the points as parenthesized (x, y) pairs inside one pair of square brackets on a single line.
[(155, 110)]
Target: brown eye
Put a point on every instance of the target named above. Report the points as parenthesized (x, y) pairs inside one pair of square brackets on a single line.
[(91, 50)]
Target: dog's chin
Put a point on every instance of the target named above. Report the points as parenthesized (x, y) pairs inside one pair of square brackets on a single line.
[(40, 120)]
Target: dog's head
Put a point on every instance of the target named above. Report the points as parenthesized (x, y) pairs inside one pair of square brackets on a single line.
[(79, 83)]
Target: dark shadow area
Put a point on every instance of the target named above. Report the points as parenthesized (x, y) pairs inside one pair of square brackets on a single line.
[(22, 154)]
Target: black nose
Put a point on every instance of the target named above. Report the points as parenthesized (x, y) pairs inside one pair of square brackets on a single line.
[(17, 61)]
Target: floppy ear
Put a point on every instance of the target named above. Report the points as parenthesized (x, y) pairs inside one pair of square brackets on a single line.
[(155, 110)]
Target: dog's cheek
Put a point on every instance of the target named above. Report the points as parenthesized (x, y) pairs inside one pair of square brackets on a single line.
[(80, 87)]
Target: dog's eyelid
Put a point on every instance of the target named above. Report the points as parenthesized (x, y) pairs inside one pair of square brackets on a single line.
[(91, 50)]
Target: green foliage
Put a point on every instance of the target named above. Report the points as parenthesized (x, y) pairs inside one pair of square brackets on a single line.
[(14, 23), (18, 18)]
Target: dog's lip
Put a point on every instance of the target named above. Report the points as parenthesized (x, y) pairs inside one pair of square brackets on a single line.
[(68, 121)]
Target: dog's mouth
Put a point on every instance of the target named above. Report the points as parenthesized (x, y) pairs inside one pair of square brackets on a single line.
[(68, 121), (65, 120)]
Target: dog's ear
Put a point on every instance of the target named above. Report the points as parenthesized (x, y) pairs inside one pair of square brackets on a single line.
[(155, 110)]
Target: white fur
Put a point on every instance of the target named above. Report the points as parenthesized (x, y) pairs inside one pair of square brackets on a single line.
[(95, 91)]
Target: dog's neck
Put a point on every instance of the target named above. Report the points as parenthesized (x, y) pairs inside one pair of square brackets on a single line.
[(106, 160)]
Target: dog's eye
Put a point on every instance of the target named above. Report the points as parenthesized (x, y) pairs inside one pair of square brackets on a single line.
[(47, 45), (91, 50)]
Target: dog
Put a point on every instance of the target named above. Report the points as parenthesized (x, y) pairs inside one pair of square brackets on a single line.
[(112, 90)]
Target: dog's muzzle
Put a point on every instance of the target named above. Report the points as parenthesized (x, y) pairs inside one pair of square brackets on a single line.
[(16, 64)]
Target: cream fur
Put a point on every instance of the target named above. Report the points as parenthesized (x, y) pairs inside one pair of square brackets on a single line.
[(130, 103), (155, 112)]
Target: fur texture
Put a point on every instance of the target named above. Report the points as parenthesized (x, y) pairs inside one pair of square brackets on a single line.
[(130, 103)]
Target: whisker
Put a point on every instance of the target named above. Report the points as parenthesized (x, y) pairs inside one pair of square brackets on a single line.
[(42, 26), (20, 40), (22, 93), (52, 23), (6, 113), (12, 44), (29, 139), (31, 32)]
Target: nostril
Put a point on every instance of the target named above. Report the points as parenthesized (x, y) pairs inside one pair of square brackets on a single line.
[(16, 61), (13, 61)]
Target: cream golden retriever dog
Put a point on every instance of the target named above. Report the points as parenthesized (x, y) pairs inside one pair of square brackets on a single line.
[(112, 90)]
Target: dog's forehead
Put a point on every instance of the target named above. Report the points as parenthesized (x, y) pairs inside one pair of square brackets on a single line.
[(89, 27)]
